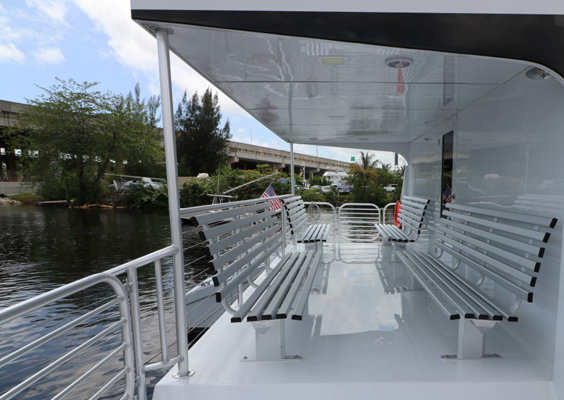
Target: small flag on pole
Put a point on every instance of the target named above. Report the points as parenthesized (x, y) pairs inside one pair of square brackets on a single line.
[(276, 203)]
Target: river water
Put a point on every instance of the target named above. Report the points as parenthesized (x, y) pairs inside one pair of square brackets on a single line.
[(44, 248)]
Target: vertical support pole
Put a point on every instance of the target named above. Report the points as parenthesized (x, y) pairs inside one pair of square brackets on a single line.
[(173, 200), (293, 183)]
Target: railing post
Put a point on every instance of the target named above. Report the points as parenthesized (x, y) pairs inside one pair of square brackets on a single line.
[(292, 182), (136, 330), (173, 200)]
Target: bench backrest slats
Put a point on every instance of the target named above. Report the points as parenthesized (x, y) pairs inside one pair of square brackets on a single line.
[(248, 246), (503, 246), (506, 283), (526, 247), (523, 232), (241, 240), (406, 219), (296, 212), (548, 222), (240, 278), (231, 225), (224, 274), (411, 214), (257, 224), (208, 218), (479, 257)]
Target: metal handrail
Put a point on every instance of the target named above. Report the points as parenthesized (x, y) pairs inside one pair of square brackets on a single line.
[(388, 206), (124, 324), (355, 224), (186, 212)]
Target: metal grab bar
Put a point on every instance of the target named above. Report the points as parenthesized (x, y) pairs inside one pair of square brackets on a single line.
[(385, 218), (186, 212), (125, 347), (357, 221)]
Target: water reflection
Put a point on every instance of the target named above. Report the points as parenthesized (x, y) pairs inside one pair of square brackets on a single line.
[(44, 248)]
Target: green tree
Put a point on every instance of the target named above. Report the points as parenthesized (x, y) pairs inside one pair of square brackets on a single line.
[(386, 167), (367, 161), (73, 133), (201, 143)]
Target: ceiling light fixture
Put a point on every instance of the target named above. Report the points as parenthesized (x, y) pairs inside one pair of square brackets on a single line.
[(264, 59), (538, 74), (333, 60), (399, 62)]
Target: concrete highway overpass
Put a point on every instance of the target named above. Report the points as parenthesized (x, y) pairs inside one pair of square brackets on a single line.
[(247, 156)]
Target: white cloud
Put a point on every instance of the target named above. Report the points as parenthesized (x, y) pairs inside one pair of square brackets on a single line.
[(49, 55), (10, 53), (56, 10), (240, 130), (136, 49)]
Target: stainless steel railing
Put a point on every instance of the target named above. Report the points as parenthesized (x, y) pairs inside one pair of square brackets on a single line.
[(123, 347), (123, 315), (357, 220)]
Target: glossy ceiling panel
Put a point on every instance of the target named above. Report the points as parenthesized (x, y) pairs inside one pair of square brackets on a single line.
[(304, 88), (243, 56)]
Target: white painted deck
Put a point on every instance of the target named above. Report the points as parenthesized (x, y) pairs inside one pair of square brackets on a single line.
[(360, 342)]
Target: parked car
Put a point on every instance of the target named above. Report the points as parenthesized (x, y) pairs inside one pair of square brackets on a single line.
[(315, 187), (326, 189), (391, 188)]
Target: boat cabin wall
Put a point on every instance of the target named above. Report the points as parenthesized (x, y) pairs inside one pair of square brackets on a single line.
[(508, 153)]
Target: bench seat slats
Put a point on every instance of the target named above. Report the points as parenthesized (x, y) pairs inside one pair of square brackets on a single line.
[(299, 310), (393, 233), (497, 312), (460, 302), (437, 296), (250, 302), (284, 308), (516, 258), (469, 305), (286, 285), (256, 312), (523, 232), (410, 216)]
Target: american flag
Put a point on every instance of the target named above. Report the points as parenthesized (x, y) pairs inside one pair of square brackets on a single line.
[(276, 204)]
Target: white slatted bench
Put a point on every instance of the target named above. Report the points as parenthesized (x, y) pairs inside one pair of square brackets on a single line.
[(504, 249), (410, 217), (314, 235), (242, 245)]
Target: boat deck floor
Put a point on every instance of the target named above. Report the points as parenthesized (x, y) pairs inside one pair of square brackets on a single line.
[(370, 334)]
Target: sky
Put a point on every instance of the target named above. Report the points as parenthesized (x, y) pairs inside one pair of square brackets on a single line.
[(96, 41)]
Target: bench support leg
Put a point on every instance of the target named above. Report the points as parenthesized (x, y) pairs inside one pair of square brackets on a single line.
[(270, 340), (471, 339)]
